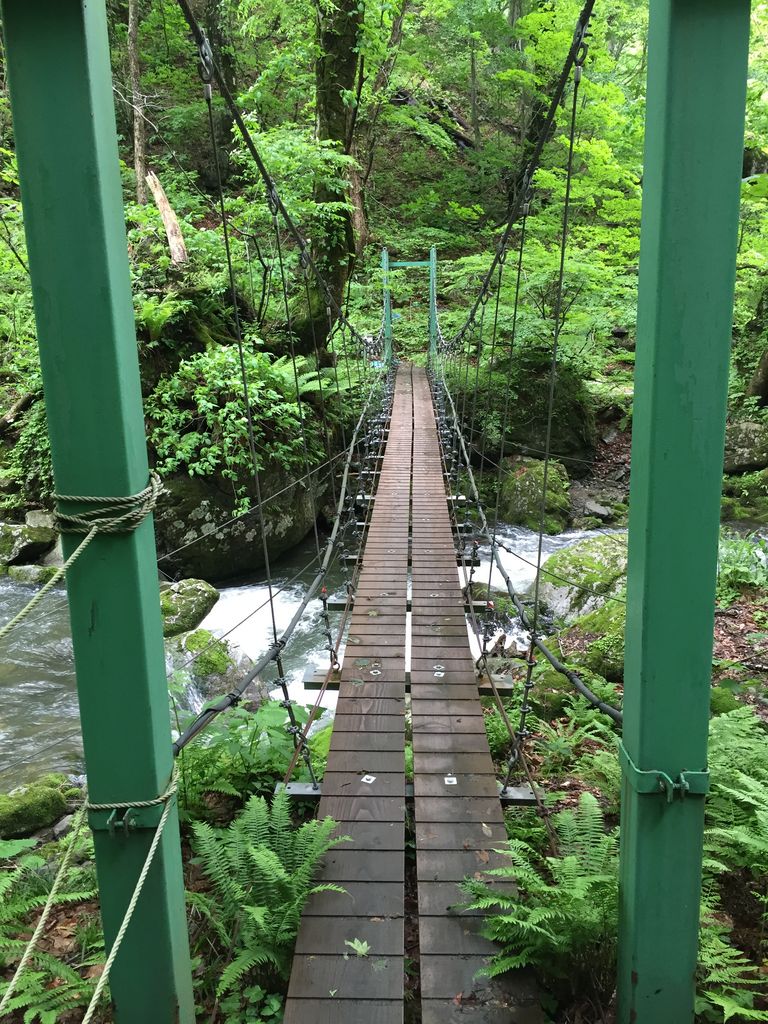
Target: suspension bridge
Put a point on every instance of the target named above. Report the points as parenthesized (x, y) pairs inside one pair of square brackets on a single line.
[(407, 662)]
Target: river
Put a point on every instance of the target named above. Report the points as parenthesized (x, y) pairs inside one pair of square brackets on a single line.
[(39, 724)]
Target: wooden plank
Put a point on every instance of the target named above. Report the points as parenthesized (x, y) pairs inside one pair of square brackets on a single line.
[(352, 784), (384, 935), (455, 865), (447, 1011), (435, 808), (353, 977), (448, 724), (460, 708), (465, 785), (453, 763), (369, 761), (371, 723), (446, 936), (460, 835), (368, 741), (379, 835), (345, 865), (360, 899), (368, 808), (343, 1011)]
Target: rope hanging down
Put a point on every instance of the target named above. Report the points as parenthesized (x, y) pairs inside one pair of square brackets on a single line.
[(105, 516)]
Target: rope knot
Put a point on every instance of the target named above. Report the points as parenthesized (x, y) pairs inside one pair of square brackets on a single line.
[(108, 515)]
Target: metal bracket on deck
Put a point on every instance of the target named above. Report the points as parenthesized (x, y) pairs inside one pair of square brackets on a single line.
[(517, 796), (125, 821)]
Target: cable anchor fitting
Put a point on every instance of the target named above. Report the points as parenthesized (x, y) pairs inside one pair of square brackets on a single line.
[(205, 65)]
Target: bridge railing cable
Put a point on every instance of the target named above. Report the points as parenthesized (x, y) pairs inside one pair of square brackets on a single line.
[(457, 353)]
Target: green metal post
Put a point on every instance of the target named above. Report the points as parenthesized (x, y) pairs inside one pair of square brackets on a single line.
[(432, 306), (697, 67), (387, 308), (61, 91)]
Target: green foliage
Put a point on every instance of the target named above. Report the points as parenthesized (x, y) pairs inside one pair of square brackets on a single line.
[(198, 424), (742, 565), (242, 753), (260, 873), (563, 921), (50, 988)]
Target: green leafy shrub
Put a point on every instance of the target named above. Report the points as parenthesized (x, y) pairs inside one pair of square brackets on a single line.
[(260, 871), (242, 753), (742, 565), (198, 424), (563, 921)]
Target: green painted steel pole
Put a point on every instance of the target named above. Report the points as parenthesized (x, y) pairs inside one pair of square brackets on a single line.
[(432, 306), (697, 68), (387, 308), (61, 92)]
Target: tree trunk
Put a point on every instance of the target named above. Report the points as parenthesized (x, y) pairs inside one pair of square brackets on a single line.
[(137, 100), (758, 386), (359, 216), (170, 220), (473, 93), (338, 29)]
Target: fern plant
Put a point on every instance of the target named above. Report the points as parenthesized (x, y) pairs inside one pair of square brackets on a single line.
[(563, 919), (563, 922), (260, 871), (50, 988)]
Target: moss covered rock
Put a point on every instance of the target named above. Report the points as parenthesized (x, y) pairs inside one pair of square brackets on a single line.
[(579, 579), (26, 810), (596, 641), (521, 491), (552, 691), (746, 446), (198, 515), (33, 574), (20, 544), (745, 498), (185, 604), (213, 656)]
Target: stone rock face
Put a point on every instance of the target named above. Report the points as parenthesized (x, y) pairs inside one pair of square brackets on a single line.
[(597, 564), (191, 508), (39, 518), (521, 495), (185, 604), (19, 544), (746, 446)]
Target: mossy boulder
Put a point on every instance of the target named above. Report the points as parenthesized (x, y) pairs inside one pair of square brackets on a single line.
[(579, 579), (19, 544), (213, 656), (201, 665), (31, 808), (521, 492), (199, 517), (552, 692), (185, 604), (596, 641), (746, 446), (36, 575), (525, 378)]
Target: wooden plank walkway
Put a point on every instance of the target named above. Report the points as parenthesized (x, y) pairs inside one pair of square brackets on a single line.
[(329, 984), (458, 816)]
